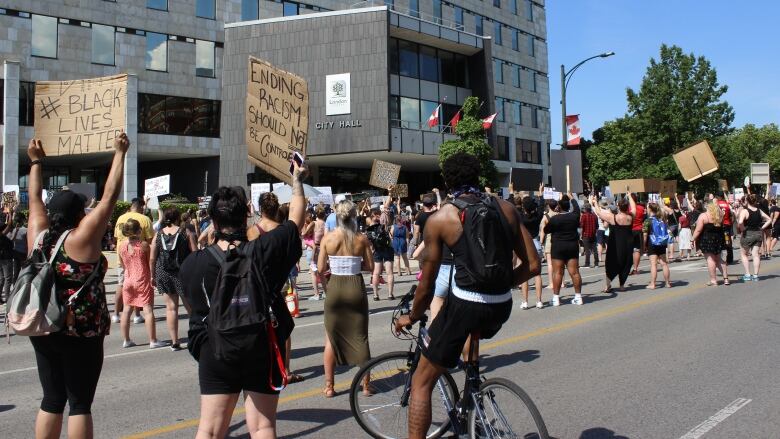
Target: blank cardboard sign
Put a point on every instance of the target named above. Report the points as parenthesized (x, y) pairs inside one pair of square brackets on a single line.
[(635, 185), (759, 173), (696, 161)]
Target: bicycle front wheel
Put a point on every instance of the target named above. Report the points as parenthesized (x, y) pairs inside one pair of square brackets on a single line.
[(382, 414), (507, 413)]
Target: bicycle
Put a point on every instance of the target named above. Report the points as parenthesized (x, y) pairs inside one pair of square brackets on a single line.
[(382, 411)]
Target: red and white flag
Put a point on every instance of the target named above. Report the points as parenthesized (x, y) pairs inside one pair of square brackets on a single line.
[(488, 121), (433, 120), (573, 130), (455, 120)]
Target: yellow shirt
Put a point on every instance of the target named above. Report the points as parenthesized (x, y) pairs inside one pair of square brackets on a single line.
[(147, 233)]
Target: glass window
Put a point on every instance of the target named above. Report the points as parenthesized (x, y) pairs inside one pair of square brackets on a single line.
[(515, 40), (533, 81), (497, 33), (531, 48), (437, 11), (462, 69), (390, 3), (392, 49), (410, 113), (290, 9), (478, 25), (516, 76), (517, 115), (26, 103), (102, 44), (395, 110), (414, 8), (500, 109), (497, 3), (204, 58), (159, 114), (157, 4), (501, 151), (205, 118), (528, 151), (206, 9), (44, 36), (459, 17), (426, 110), (513, 6), (429, 65), (449, 74), (156, 52), (529, 10), (498, 71), (407, 56), (250, 10), (535, 117)]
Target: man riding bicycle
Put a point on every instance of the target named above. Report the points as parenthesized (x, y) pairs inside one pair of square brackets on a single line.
[(482, 232)]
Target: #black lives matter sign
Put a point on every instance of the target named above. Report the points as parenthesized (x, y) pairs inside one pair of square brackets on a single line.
[(277, 117), (82, 116)]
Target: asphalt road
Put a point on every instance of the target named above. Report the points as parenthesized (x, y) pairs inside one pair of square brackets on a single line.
[(686, 362)]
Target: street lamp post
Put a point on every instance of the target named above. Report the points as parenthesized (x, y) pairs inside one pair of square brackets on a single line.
[(565, 77)]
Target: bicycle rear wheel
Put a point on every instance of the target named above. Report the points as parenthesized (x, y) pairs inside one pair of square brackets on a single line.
[(381, 415), (509, 413)]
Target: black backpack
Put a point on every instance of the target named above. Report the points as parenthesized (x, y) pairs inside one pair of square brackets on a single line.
[(172, 251), (489, 245), (6, 247), (380, 239)]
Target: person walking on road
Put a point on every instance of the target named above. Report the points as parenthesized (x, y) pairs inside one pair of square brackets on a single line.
[(546, 240), (400, 233), (345, 253), (657, 236), (620, 242), (382, 249), (588, 225), (727, 226), (6, 258), (565, 250), (70, 361), (136, 212), (531, 216), (751, 224), (137, 290), (171, 245), (684, 237), (711, 240), (636, 230)]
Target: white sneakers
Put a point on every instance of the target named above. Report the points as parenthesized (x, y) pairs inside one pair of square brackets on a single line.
[(556, 300), (157, 344), (524, 305), (539, 305), (577, 300), (128, 344), (138, 319), (115, 318)]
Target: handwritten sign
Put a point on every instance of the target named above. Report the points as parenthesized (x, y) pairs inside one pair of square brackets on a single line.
[(255, 190), (203, 202), (377, 200), (400, 190), (277, 117), (83, 116), (154, 187), (696, 161), (551, 194), (384, 174), (325, 196), (723, 185)]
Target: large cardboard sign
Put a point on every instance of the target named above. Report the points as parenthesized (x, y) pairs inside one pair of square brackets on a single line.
[(83, 116), (668, 188), (400, 190), (154, 187), (384, 174), (635, 185), (277, 117), (759, 173), (723, 185), (696, 161)]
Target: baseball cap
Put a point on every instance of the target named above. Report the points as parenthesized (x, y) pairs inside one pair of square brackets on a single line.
[(68, 203), (339, 198)]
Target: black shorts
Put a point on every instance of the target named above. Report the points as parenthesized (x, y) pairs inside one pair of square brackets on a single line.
[(657, 250), (637, 234), (456, 321), (565, 250), (250, 374), (776, 232), (384, 255)]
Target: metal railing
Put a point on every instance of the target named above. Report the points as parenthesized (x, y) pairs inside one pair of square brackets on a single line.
[(411, 13), (421, 126)]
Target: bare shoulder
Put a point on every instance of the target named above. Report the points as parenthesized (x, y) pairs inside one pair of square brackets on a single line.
[(509, 209)]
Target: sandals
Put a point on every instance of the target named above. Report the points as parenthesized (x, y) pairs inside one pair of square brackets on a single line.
[(726, 282), (607, 290), (390, 297), (295, 378), (711, 284), (377, 299), (328, 391)]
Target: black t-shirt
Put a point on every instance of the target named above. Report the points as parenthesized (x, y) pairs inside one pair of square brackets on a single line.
[(532, 222), (278, 252), (772, 211), (563, 227), (420, 222)]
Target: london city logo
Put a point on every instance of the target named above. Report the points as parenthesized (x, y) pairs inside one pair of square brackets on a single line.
[(339, 89), (337, 94)]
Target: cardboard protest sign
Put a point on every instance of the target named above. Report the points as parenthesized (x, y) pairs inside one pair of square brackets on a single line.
[(384, 174), (325, 196), (668, 188), (774, 190), (83, 116), (696, 161), (551, 194), (759, 173), (635, 185), (654, 198), (277, 117), (400, 190), (378, 200), (723, 185), (739, 193), (9, 199), (154, 187), (255, 190), (203, 202)]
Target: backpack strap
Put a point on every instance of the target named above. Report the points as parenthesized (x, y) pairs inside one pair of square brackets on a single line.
[(58, 246), (218, 254), (89, 280), (175, 240)]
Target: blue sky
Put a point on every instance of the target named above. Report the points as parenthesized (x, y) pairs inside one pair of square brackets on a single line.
[(739, 38)]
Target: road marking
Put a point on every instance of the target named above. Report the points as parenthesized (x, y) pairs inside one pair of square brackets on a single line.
[(343, 385), (699, 430)]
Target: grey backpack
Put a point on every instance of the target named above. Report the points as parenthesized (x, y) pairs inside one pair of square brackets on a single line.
[(34, 307)]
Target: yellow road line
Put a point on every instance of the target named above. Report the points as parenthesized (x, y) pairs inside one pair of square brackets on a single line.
[(344, 385)]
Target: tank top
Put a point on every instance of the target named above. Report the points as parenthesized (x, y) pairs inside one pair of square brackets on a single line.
[(753, 221)]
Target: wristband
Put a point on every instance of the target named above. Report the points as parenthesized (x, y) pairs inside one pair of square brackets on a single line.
[(36, 162)]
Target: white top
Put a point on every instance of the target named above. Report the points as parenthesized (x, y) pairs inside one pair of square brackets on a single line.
[(345, 265)]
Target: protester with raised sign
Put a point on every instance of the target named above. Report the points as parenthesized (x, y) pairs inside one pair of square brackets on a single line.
[(400, 234), (6, 257), (381, 243), (69, 362), (620, 241), (751, 223), (711, 241), (565, 249)]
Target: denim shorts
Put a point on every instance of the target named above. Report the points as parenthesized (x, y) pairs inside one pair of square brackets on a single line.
[(443, 281)]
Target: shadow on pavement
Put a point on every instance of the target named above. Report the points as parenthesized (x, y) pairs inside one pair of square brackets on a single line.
[(5, 408), (494, 362), (600, 433), (305, 352), (320, 417)]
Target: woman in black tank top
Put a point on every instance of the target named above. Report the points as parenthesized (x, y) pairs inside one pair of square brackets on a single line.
[(752, 222)]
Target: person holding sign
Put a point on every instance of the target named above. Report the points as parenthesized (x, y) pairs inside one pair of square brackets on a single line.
[(711, 241), (69, 362), (620, 242), (565, 249), (751, 223), (383, 248)]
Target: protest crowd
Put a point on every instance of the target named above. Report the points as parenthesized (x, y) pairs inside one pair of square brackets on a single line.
[(232, 253)]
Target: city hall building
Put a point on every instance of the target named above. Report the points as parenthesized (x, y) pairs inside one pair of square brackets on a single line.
[(395, 63)]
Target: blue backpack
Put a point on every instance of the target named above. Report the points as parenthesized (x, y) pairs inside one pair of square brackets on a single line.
[(659, 234)]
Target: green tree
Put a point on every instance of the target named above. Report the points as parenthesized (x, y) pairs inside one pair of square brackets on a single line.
[(749, 144), (471, 139), (678, 103)]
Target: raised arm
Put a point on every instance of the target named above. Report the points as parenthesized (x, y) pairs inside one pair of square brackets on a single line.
[(389, 199), (298, 202), (631, 203), (38, 221), (438, 197)]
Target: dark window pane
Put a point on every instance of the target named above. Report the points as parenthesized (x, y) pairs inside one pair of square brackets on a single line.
[(533, 80), (478, 25), (458, 18), (448, 111), (497, 3), (498, 71), (497, 33), (437, 11), (531, 48), (414, 8), (156, 51), (500, 109), (516, 76), (517, 117), (290, 9), (449, 74), (206, 9), (408, 58), (515, 40), (250, 10), (2, 101), (103, 44), (428, 64), (151, 113), (501, 150), (26, 103), (392, 49), (462, 69), (44, 36), (513, 6), (535, 118), (395, 110), (178, 115), (529, 10), (157, 4)]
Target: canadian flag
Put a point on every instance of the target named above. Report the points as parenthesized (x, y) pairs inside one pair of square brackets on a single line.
[(455, 120), (488, 121), (433, 120), (573, 130)]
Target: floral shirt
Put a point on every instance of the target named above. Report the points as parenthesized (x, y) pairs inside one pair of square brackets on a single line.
[(90, 312)]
